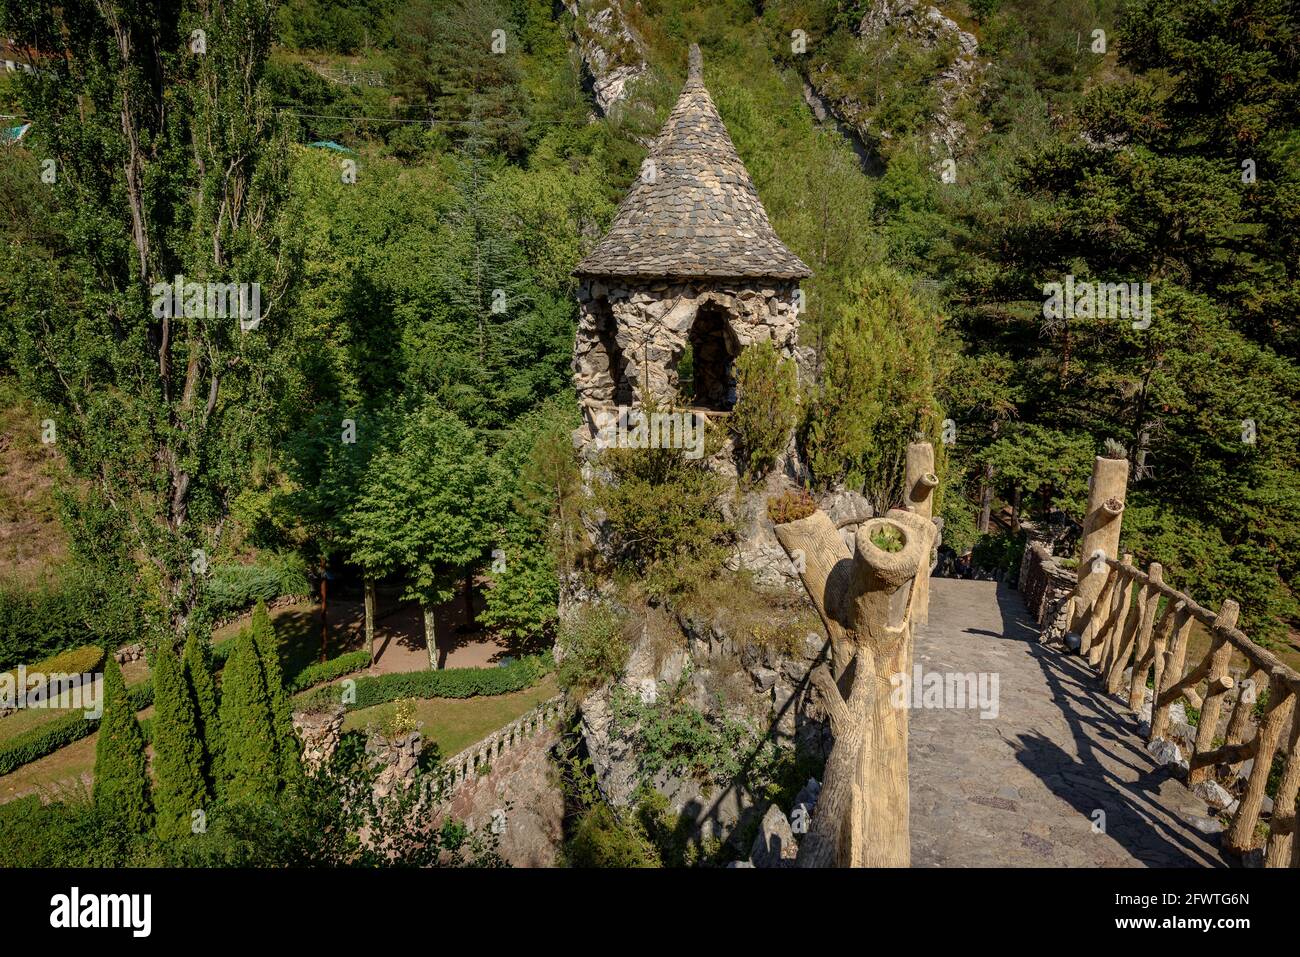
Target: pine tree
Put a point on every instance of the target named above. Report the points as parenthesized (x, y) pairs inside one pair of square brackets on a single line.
[(268, 652), (196, 669), (121, 773), (249, 767), (179, 787)]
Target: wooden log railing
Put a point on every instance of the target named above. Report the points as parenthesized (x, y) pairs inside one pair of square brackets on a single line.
[(1123, 631)]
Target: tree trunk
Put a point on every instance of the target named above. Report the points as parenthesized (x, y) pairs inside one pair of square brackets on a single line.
[(430, 636), (1015, 510), (867, 602), (986, 500), (370, 617), (469, 599)]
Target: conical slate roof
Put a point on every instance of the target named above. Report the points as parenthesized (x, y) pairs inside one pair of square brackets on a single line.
[(695, 211)]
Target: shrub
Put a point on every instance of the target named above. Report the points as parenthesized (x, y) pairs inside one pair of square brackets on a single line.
[(663, 514), (767, 407), (179, 784), (448, 683), (236, 588), (790, 506), (201, 686), (72, 662), (602, 840), (323, 671), (595, 649), (121, 775), (250, 767)]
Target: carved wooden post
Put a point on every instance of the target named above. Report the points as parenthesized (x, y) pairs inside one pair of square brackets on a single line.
[(1282, 845), (1142, 645), (1172, 671), (920, 482), (1240, 836), (1217, 684), (1106, 491), (866, 600)]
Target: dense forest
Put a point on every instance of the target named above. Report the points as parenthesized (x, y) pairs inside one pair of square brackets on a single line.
[(413, 195), (398, 194)]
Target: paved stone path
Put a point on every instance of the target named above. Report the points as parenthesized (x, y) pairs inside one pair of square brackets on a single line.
[(1023, 789)]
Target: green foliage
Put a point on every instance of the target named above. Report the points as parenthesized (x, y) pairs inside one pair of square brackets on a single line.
[(447, 683), (877, 387), (767, 406), (201, 687), (121, 774), (179, 787), (663, 515), (595, 647), (236, 588), (268, 653), (56, 615), (426, 505), (250, 762), (601, 839), (158, 417), (73, 661), (323, 671), (535, 471), (673, 736)]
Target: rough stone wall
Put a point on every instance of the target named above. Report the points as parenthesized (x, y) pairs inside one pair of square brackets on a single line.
[(1044, 583), (632, 334)]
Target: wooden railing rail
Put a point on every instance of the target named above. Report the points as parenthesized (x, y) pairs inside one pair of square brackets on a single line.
[(1124, 631)]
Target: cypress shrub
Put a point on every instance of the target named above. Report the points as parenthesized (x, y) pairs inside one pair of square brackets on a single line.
[(201, 686), (268, 652), (179, 788), (121, 790), (249, 767), (767, 406)]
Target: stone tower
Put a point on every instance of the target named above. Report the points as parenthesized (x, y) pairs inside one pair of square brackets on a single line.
[(690, 262)]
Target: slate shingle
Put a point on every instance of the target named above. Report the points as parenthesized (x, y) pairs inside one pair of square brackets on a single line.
[(699, 214)]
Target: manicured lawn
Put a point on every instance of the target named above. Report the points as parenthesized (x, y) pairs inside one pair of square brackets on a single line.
[(61, 770), (453, 724), (25, 719)]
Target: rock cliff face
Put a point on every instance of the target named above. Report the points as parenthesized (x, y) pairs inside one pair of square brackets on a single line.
[(930, 28), (712, 668), (709, 659), (612, 51)]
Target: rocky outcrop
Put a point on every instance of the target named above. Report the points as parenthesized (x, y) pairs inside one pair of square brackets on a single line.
[(319, 732), (397, 759), (708, 661), (927, 26), (613, 53)]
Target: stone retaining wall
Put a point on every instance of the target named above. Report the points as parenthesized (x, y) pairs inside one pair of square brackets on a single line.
[(1044, 585), (478, 757)]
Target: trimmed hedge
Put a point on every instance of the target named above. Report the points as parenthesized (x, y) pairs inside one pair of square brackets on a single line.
[(72, 662), (63, 731), (448, 683), (324, 671)]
